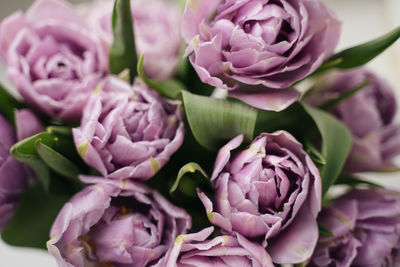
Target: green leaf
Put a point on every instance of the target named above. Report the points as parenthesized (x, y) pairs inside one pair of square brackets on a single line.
[(325, 231), (60, 130), (27, 147), (183, 69), (189, 77), (213, 121), (354, 181), (332, 103), (188, 186), (40, 168), (57, 162), (361, 54), (25, 152), (123, 50), (42, 153), (288, 120), (315, 155), (8, 104), (30, 226), (336, 144), (169, 88)]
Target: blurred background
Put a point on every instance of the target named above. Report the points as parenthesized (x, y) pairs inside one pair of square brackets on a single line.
[(362, 20)]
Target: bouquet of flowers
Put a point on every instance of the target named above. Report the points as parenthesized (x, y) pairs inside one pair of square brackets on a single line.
[(125, 147)]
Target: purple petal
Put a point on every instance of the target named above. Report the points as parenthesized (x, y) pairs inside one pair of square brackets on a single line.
[(27, 124), (275, 100), (296, 244)]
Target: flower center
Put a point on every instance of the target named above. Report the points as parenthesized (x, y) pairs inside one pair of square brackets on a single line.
[(121, 228), (271, 23), (59, 67)]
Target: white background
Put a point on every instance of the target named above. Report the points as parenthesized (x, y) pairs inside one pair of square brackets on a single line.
[(362, 21)]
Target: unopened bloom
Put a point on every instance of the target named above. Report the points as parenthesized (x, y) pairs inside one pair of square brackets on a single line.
[(53, 58), (193, 250), (13, 177), (128, 131), (368, 114), (257, 49), (270, 191), (157, 32), (121, 223), (366, 230)]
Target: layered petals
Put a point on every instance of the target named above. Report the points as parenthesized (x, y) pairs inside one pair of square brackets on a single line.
[(270, 191), (128, 132), (116, 222), (228, 250), (52, 57), (366, 230), (258, 49)]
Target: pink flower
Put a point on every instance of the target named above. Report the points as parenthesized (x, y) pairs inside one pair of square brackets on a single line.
[(128, 131), (119, 222), (257, 49), (270, 191), (53, 58)]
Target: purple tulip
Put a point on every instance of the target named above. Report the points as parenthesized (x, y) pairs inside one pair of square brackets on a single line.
[(13, 176), (193, 250), (52, 57), (257, 49), (120, 223), (128, 131), (368, 114), (366, 228), (157, 32), (270, 191)]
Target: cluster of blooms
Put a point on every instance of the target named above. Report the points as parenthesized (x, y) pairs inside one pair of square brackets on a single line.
[(266, 205)]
